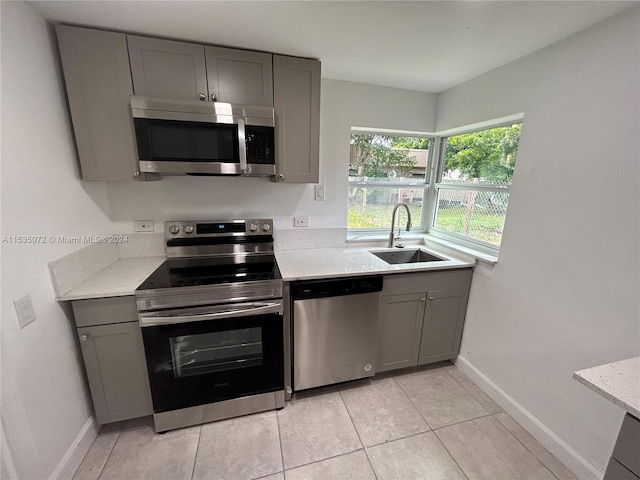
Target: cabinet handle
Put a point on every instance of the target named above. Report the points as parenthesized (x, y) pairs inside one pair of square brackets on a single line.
[(281, 176), (214, 98), (136, 173), (203, 97), (430, 298), (84, 337), (423, 299)]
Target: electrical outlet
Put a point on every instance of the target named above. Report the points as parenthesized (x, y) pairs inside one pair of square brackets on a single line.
[(300, 221), (143, 226), (25, 311), (319, 192)]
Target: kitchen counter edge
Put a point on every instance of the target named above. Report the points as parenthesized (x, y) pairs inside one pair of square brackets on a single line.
[(310, 264), (618, 382), (119, 279)]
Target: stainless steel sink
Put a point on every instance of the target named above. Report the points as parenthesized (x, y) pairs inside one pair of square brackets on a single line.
[(407, 256)]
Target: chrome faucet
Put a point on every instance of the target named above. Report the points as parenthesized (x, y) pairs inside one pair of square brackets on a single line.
[(393, 221)]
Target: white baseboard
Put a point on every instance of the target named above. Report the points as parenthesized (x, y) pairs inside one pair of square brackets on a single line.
[(543, 434), (77, 451)]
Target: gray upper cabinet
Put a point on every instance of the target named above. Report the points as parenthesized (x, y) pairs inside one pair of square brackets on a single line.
[(239, 76), (113, 354), (421, 318), (296, 98), (103, 70), (98, 82), (164, 68)]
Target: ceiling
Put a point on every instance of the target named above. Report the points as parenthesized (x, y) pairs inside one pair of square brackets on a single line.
[(428, 46)]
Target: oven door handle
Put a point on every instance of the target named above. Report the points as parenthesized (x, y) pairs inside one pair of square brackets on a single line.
[(153, 319)]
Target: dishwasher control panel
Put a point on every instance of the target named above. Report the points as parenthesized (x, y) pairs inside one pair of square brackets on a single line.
[(336, 287)]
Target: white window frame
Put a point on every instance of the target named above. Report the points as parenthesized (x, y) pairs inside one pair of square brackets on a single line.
[(424, 184), (431, 183), (453, 237)]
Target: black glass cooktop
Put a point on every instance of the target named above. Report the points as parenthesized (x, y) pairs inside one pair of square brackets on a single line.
[(194, 272)]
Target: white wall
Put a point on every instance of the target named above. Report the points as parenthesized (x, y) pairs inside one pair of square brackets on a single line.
[(44, 404), (343, 105), (564, 294)]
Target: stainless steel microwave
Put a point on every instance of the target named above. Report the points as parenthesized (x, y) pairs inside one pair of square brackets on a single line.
[(178, 137)]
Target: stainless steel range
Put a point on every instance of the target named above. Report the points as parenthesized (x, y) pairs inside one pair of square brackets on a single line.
[(212, 323)]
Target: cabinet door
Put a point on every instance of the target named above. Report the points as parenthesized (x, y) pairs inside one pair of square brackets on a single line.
[(117, 371), (296, 98), (98, 81), (442, 329), (167, 69), (239, 76), (400, 327)]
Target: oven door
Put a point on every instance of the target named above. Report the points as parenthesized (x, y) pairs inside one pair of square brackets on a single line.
[(204, 355)]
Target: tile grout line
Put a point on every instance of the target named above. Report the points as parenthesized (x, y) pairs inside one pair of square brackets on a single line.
[(451, 455), (280, 440), (358, 434), (321, 460), (412, 404), (524, 446), (108, 456), (462, 421), (195, 457), (521, 443), (469, 393)]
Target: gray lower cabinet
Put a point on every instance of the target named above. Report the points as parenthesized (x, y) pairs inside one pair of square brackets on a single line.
[(624, 463), (113, 355), (296, 98), (442, 326), (421, 317), (401, 318), (98, 83)]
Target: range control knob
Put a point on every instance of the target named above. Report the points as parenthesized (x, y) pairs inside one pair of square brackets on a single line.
[(188, 229), (253, 227), (266, 227), (174, 229)]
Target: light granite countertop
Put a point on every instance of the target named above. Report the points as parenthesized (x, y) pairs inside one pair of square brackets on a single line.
[(118, 279), (340, 262), (617, 381), (123, 276)]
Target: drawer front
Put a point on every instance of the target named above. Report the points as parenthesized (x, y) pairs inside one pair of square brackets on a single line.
[(105, 311), (420, 282), (627, 449)]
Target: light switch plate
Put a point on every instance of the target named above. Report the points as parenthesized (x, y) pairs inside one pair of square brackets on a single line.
[(25, 311), (319, 192)]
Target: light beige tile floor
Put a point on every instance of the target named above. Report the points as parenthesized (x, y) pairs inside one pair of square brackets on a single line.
[(432, 423)]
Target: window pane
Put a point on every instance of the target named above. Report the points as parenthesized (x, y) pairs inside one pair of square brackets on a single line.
[(388, 157), (372, 207), (487, 156), (474, 214)]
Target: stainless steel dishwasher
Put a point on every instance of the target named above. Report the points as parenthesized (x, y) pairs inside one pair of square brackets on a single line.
[(335, 326)]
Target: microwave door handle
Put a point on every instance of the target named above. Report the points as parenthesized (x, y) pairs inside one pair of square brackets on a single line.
[(151, 319), (242, 145)]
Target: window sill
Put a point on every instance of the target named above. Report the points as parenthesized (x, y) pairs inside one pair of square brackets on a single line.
[(482, 256), (358, 239)]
